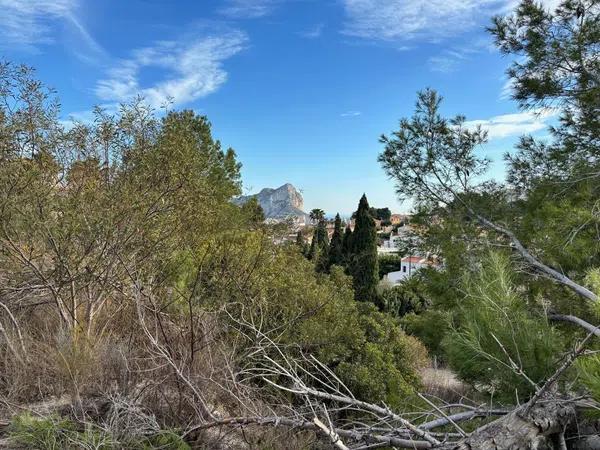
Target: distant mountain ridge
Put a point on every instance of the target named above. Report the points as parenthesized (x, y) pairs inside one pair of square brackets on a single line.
[(280, 203)]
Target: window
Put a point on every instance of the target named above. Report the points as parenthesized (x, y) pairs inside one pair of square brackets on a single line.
[(403, 268)]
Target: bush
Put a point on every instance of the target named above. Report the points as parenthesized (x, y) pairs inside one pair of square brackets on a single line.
[(384, 367), (55, 433), (499, 344), (430, 327), (387, 264), (316, 314), (402, 299)]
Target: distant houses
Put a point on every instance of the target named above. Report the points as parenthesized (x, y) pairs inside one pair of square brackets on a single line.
[(399, 219)]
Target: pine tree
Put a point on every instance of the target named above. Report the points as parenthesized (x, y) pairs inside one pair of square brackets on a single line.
[(336, 251), (364, 268)]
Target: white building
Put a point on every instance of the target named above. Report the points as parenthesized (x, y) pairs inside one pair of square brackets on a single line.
[(408, 266)]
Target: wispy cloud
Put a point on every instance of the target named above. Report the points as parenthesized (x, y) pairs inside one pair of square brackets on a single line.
[(431, 20), (314, 32), (450, 59), (191, 68), (444, 63), (507, 90), (516, 124), (351, 114), (247, 9), (27, 24)]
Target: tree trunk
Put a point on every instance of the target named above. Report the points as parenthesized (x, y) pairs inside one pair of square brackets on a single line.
[(539, 429)]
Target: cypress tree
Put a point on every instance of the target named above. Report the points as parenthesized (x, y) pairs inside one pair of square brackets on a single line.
[(319, 247), (312, 252), (336, 251), (365, 270), (299, 239), (322, 247), (301, 243), (347, 245)]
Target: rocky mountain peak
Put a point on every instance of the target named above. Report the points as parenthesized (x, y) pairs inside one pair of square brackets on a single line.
[(279, 203)]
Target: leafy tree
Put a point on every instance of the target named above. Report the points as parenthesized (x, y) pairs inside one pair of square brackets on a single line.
[(383, 214), (336, 251), (365, 269), (253, 211), (387, 264), (313, 314), (430, 327), (402, 299)]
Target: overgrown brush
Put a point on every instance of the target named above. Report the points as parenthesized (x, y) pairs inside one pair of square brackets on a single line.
[(56, 433)]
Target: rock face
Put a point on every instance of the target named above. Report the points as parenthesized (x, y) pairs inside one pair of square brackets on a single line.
[(280, 203)]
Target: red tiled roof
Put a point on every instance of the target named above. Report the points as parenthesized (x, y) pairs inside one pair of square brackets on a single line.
[(420, 260), (413, 259)]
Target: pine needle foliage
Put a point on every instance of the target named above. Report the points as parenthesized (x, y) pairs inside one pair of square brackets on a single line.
[(499, 344)]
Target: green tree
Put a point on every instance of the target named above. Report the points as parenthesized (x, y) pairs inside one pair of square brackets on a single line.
[(319, 246), (347, 245), (322, 248), (499, 343), (299, 239), (316, 215), (253, 212), (388, 263), (365, 268), (383, 214), (336, 251), (555, 64)]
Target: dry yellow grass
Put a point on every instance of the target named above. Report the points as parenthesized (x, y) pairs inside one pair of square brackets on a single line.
[(444, 384)]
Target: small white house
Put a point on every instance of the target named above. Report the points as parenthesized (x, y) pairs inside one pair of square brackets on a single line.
[(408, 266)]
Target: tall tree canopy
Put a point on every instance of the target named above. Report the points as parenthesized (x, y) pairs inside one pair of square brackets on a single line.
[(336, 251), (365, 270)]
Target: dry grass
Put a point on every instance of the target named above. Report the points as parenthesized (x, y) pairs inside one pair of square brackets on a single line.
[(443, 384)]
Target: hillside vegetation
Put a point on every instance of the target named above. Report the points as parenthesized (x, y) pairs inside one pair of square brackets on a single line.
[(140, 307)]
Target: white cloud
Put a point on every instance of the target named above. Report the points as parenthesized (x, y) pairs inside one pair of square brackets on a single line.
[(27, 23), (192, 68), (247, 9), (350, 114), (432, 20), (515, 124)]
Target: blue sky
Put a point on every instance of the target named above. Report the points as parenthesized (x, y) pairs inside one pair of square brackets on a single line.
[(301, 89)]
